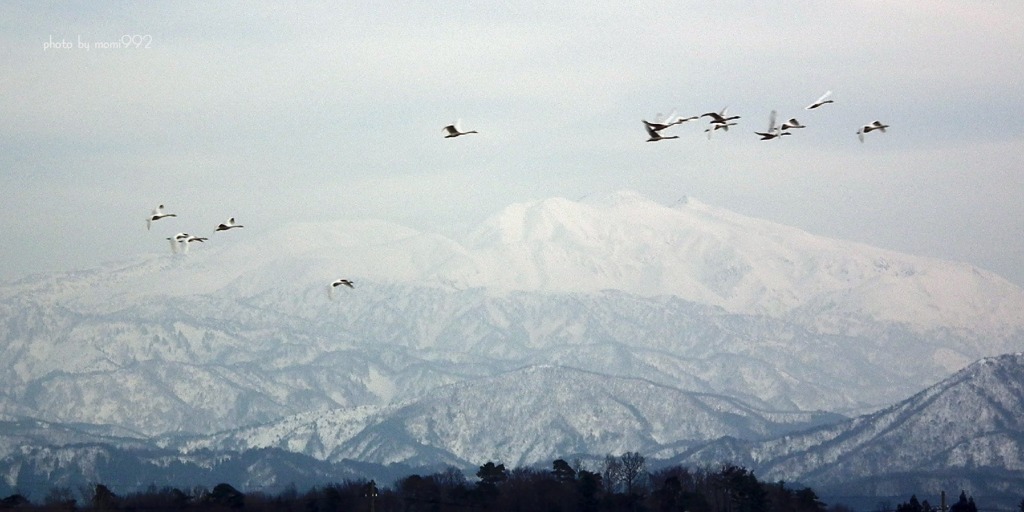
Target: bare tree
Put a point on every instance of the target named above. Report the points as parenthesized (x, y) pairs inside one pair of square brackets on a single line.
[(633, 467), (577, 465), (451, 478), (612, 473)]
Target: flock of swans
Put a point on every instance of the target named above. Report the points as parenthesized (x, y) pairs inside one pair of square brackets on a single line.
[(722, 121), (718, 121), (181, 241)]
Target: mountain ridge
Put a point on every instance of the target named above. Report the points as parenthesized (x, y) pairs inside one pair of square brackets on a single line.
[(426, 421), (744, 265), (622, 241), (696, 301), (975, 444), (962, 430)]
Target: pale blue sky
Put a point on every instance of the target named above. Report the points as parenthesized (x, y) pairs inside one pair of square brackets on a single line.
[(319, 112)]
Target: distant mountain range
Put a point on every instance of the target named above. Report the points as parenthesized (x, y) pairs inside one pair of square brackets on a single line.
[(964, 433), (521, 418), (555, 328)]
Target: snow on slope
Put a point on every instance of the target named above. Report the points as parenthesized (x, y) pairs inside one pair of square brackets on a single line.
[(969, 428), (301, 253), (314, 433), (241, 331), (713, 256), (623, 242), (522, 417)]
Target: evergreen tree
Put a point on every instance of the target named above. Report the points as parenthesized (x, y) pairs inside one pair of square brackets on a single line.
[(964, 504), (490, 476), (743, 489), (227, 496), (808, 501), (910, 506), (103, 498), (418, 493), (667, 496), (562, 471), (14, 501), (588, 485)]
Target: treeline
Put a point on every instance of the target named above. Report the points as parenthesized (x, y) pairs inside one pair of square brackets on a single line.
[(622, 483)]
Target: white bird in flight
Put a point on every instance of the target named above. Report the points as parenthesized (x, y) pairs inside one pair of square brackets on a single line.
[(716, 126), (660, 123), (655, 136), (230, 224), (720, 117), (820, 101), (453, 130), (792, 123), (336, 283), (877, 125), (179, 241), (774, 131), (158, 213)]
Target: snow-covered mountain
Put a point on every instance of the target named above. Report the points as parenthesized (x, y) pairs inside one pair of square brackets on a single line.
[(694, 300), (962, 433), (522, 417), (620, 242), (712, 256), (966, 432)]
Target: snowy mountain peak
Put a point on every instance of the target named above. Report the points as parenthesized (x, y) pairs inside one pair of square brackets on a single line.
[(621, 241), (704, 254), (618, 198)]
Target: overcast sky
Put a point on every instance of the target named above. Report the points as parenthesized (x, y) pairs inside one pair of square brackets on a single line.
[(318, 112)]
